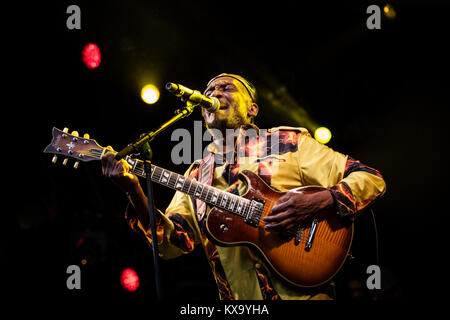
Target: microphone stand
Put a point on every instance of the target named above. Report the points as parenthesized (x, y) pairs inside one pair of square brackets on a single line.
[(143, 147)]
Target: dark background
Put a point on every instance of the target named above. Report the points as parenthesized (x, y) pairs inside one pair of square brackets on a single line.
[(381, 92)]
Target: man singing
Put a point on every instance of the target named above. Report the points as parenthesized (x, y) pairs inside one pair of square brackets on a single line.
[(285, 158)]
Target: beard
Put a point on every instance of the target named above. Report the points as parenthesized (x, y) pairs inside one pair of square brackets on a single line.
[(223, 122)]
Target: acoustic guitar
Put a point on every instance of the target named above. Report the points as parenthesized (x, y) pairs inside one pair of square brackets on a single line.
[(309, 256)]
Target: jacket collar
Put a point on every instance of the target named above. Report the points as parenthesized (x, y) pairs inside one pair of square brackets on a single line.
[(216, 146)]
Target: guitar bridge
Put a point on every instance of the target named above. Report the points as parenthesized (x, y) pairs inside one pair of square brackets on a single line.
[(254, 212)]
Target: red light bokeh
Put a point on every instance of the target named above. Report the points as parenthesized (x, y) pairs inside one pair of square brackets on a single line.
[(91, 55), (129, 279)]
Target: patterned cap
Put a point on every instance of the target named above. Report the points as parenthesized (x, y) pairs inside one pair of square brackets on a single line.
[(250, 87)]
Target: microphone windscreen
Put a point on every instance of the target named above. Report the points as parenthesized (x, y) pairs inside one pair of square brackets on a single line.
[(171, 87), (215, 105)]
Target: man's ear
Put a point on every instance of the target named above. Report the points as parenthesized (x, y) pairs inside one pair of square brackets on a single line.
[(252, 110)]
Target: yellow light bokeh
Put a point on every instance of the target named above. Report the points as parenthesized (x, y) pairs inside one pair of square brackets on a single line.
[(150, 94), (389, 11), (323, 135)]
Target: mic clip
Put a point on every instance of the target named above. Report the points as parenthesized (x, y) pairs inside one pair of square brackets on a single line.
[(187, 109)]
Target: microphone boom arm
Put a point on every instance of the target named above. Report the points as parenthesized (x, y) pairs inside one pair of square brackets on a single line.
[(149, 136)]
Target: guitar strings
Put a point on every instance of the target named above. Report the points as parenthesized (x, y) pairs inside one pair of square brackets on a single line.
[(172, 184)]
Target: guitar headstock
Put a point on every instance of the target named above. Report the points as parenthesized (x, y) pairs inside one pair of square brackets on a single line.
[(73, 146)]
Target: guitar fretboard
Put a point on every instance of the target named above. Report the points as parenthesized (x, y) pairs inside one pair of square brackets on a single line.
[(211, 195)]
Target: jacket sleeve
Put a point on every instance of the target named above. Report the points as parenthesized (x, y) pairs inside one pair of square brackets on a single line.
[(352, 184), (176, 229)]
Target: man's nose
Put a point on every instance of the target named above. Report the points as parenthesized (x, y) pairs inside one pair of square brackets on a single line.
[(216, 93)]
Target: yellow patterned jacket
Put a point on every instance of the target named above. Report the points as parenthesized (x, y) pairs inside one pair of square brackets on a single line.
[(285, 158)]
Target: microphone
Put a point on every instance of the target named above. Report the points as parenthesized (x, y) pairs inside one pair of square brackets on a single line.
[(210, 104)]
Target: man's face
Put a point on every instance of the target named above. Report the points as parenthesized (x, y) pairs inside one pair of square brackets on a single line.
[(235, 104)]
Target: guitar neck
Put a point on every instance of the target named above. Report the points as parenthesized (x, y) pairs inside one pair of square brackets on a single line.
[(211, 195)]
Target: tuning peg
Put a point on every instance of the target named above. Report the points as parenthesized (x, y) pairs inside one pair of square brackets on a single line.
[(65, 161), (55, 158), (75, 133), (86, 136), (65, 130), (75, 165)]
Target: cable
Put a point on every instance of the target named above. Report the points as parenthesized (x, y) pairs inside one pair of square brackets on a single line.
[(376, 237)]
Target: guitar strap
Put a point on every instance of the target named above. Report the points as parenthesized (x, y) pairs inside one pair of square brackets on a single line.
[(205, 176)]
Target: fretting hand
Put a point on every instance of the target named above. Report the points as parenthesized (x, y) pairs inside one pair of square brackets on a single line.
[(119, 171)]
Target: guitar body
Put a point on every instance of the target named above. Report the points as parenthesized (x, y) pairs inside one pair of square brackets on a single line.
[(289, 258)]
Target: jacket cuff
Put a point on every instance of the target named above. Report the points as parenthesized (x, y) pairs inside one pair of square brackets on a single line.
[(135, 225), (343, 199)]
